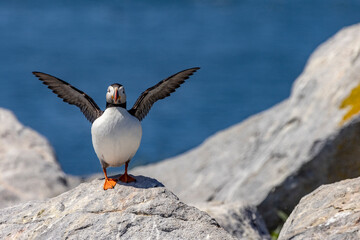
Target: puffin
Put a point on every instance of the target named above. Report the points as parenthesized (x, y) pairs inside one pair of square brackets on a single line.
[(116, 132)]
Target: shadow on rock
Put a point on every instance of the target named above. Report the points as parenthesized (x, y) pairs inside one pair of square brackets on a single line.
[(141, 182)]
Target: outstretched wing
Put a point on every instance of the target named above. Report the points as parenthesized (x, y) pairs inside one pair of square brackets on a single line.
[(71, 95), (159, 91)]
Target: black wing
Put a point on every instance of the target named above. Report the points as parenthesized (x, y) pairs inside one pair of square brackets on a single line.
[(71, 95), (159, 91)]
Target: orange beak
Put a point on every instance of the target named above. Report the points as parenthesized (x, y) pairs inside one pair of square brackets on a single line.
[(116, 96)]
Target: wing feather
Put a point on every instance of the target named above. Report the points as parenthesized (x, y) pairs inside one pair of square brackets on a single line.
[(161, 90), (71, 95)]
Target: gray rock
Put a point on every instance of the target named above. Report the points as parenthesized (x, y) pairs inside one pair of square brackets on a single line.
[(274, 158), (329, 212), (240, 220), (28, 166), (141, 210)]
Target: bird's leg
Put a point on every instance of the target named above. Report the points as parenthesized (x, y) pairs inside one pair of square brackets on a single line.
[(125, 177), (109, 182)]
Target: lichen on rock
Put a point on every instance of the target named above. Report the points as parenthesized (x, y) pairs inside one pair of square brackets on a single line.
[(352, 102)]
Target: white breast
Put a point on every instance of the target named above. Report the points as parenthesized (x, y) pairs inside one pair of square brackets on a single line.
[(116, 136)]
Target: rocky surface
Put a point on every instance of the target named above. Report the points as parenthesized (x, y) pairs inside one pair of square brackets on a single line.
[(141, 210), (28, 166), (238, 219), (330, 212), (274, 158)]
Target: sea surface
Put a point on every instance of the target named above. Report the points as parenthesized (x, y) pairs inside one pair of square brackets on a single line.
[(250, 52)]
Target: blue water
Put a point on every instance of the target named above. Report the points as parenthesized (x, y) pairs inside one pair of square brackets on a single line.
[(250, 52)]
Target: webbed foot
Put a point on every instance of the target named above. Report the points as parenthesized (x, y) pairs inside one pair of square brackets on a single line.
[(110, 183), (127, 178)]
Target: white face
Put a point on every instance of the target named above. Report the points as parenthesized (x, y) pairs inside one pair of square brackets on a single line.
[(115, 95)]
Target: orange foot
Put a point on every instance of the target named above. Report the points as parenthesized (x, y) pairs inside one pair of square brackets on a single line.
[(127, 178), (109, 183)]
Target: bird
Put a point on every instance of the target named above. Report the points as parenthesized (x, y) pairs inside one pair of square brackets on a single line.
[(116, 132)]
